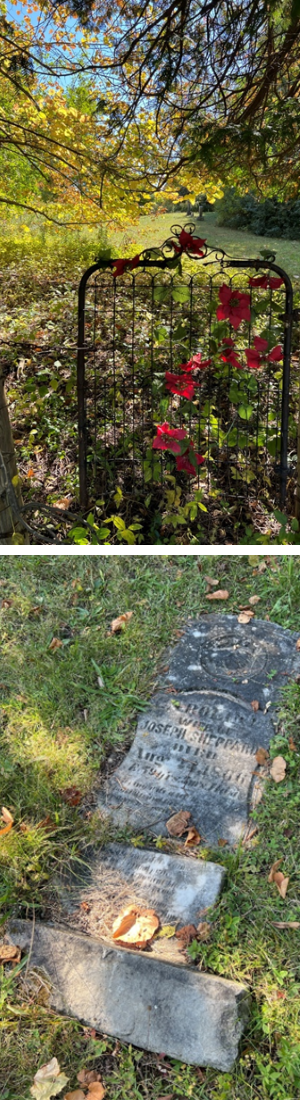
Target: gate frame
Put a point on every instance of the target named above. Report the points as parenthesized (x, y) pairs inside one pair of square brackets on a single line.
[(224, 261)]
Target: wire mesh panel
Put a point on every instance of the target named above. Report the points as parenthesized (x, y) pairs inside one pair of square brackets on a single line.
[(206, 352)]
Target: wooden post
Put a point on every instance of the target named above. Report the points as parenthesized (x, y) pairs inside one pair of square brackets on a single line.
[(8, 523)]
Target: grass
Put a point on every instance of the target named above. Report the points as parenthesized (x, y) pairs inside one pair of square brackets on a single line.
[(58, 728)]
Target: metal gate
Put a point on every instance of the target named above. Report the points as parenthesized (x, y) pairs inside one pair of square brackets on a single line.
[(202, 350)]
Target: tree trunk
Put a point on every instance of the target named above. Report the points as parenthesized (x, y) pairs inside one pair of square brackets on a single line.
[(8, 522)]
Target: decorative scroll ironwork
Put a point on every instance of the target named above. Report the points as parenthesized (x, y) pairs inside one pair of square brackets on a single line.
[(148, 320)]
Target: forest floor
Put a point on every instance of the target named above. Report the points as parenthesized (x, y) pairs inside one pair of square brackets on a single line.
[(60, 729)]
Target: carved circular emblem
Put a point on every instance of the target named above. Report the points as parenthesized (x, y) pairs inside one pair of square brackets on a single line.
[(227, 655)]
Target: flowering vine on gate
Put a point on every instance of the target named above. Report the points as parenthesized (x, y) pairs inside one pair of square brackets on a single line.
[(234, 307)]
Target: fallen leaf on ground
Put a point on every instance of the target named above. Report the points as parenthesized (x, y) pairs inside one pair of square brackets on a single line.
[(292, 745), (286, 923), (88, 1076), (278, 769), (119, 623), (254, 599), (48, 1081), (71, 795), (55, 644), (203, 930), (9, 952), (220, 594), (7, 817), (281, 882), (187, 934), (255, 704), (245, 616), (167, 931), (77, 1094), (135, 926), (96, 1091), (212, 581), (262, 755), (298, 643), (274, 868), (6, 603), (222, 842), (193, 838), (178, 823)]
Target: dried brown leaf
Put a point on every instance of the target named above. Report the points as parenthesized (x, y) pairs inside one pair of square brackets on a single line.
[(286, 923), (245, 616), (7, 817), (292, 745), (9, 952), (212, 581), (77, 1094), (255, 704), (120, 622), (186, 934), (254, 599), (178, 823), (135, 926), (298, 643), (55, 644), (262, 756), (281, 883), (220, 594), (96, 1091), (222, 842), (203, 930), (274, 868), (71, 795), (193, 838), (278, 769)]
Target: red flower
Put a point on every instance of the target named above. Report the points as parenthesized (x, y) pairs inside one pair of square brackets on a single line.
[(195, 363), (167, 439), (276, 354), (189, 244), (180, 384), (235, 306), (121, 265), (228, 354), (183, 461), (256, 356), (266, 281)]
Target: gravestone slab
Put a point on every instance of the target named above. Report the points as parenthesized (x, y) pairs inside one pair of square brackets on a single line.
[(177, 887), (193, 752), (191, 1016), (252, 661)]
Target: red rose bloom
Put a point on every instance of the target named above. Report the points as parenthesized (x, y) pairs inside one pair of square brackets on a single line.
[(235, 306), (183, 462), (195, 363)]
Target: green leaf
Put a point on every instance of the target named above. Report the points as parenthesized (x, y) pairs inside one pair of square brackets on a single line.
[(245, 411), (119, 523), (128, 536), (281, 518), (181, 294), (161, 294)]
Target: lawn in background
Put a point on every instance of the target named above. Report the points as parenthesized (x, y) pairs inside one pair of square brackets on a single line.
[(59, 728)]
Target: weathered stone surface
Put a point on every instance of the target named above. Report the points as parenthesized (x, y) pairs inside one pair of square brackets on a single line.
[(195, 752), (252, 661), (178, 888), (191, 1016)]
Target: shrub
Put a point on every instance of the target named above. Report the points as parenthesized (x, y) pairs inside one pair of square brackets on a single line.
[(270, 218)]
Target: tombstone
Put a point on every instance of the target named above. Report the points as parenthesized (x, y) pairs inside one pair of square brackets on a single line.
[(195, 752), (177, 887), (195, 1017), (252, 661)]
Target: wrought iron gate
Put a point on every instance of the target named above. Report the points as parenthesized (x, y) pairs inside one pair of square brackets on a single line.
[(145, 323)]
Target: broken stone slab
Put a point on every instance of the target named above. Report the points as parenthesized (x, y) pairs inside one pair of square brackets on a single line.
[(195, 1017), (252, 660), (196, 752), (177, 887)]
